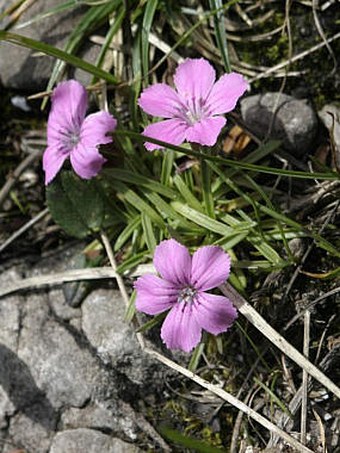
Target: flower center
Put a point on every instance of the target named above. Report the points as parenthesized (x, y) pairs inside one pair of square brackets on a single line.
[(73, 138), (193, 110), (187, 295)]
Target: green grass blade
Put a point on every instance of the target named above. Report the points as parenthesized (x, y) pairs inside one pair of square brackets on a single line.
[(206, 189), (91, 20), (150, 9), (108, 38), (58, 9), (167, 167), (202, 220), (139, 180), (187, 194), (56, 53), (149, 235), (232, 163), (274, 397), (221, 37), (127, 233), (131, 309), (187, 442)]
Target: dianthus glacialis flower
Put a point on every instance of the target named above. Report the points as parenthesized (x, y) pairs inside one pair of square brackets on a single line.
[(193, 110), (70, 134), (182, 289)]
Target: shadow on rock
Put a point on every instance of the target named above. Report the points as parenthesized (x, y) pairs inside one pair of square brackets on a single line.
[(17, 381)]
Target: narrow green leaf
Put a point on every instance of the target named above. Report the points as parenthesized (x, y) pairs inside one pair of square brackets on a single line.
[(221, 37), (139, 180), (137, 202), (187, 194), (206, 189), (152, 323), (201, 219), (56, 53), (196, 357), (91, 20), (132, 262), (274, 398), (148, 233), (150, 9), (127, 233), (57, 9), (168, 211), (229, 162), (167, 166), (115, 26), (187, 442), (131, 309)]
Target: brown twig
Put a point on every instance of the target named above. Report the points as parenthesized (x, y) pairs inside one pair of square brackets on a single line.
[(11, 179)]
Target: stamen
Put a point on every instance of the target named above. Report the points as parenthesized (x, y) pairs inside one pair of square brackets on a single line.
[(187, 295)]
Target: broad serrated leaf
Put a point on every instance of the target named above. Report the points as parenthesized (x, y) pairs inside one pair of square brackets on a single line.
[(75, 204)]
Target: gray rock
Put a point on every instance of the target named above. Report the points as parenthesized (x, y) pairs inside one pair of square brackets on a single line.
[(114, 340), (19, 67), (10, 312), (119, 419), (282, 117), (89, 441), (104, 325), (61, 368), (67, 374), (26, 431)]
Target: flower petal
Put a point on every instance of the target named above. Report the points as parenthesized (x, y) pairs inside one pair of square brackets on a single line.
[(86, 161), (210, 267), (53, 160), (160, 100), (225, 93), (154, 295), (170, 131), (194, 78), (213, 313), (69, 104), (173, 262), (95, 128), (180, 329), (206, 131)]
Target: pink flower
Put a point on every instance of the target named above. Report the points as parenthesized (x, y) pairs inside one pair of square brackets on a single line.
[(182, 289), (70, 134), (192, 111)]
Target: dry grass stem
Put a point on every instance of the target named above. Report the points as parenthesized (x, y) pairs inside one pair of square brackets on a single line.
[(256, 319), (295, 58), (16, 173), (304, 402), (23, 229), (229, 399)]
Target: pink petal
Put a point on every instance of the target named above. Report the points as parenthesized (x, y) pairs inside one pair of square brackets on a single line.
[(215, 314), (69, 104), (225, 93), (53, 160), (86, 161), (206, 131), (194, 78), (210, 267), (180, 329), (170, 131), (173, 262), (160, 100), (154, 295), (95, 128)]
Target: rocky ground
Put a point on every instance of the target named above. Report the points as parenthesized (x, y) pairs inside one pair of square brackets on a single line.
[(72, 378)]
